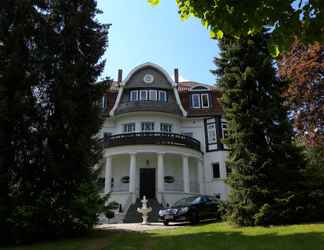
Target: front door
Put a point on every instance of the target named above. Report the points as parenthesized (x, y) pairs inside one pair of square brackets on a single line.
[(147, 182)]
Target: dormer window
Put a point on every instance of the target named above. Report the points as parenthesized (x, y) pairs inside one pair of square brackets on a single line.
[(148, 95), (133, 95), (195, 100), (153, 95), (143, 95), (200, 100), (162, 96), (204, 100)]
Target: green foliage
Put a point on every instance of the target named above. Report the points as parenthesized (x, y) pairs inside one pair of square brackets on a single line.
[(153, 2), (266, 178), (50, 61), (288, 18)]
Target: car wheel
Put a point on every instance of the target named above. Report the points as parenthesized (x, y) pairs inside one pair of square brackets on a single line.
[(195, 218), (165, 223)]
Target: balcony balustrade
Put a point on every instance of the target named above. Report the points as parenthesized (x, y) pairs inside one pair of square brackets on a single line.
[(151, 138)]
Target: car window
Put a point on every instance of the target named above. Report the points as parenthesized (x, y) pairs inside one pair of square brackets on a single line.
[(187, 201)]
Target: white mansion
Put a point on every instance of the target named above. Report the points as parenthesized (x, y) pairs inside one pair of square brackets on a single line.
[(162, 138)]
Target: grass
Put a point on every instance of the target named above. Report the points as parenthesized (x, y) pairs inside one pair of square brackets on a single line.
[(216, 236)]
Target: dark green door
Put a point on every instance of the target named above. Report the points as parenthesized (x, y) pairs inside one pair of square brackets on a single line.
[(147, 183)]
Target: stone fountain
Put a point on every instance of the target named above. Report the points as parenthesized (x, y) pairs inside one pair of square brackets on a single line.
[(144, 210)]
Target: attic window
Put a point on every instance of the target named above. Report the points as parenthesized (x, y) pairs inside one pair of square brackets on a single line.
[(204, 101), (133, 96), (143, 95), (200, 88)]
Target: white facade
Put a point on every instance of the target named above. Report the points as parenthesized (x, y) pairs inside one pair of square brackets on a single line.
[(178, 168)]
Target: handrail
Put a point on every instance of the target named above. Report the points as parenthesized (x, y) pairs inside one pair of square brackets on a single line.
[(156, 138)]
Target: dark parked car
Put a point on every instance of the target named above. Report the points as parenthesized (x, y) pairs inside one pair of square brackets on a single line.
[(191, 209)]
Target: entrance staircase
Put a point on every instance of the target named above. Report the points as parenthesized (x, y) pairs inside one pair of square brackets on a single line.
[(132, 216)]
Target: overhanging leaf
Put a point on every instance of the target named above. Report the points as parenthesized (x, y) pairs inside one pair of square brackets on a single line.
[(153, 2)]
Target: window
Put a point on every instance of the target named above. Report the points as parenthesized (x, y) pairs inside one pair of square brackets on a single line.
[(224, 129), (104, 102), (216, 172), (153, 95), (143, 95), (133, 96), (166, 127), (129, 127), (147, 126), (195, 100), (162, 96), (211, 133), (204, 101)]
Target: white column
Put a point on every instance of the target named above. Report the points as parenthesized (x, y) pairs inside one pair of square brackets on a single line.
[(132, 175), (200, 176), (185, 173), (108, 175), (160, 175)]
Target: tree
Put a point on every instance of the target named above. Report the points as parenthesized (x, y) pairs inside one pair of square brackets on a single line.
[(50, 60), (304, 66), (266, 167), (236, 18), (18, 115)]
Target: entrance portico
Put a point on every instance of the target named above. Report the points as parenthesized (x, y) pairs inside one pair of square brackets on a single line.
[(176, 170)]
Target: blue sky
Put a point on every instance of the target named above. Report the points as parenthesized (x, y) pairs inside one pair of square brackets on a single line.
[(141, 33)]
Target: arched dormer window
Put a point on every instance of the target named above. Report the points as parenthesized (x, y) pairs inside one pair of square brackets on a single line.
[(200, 88)]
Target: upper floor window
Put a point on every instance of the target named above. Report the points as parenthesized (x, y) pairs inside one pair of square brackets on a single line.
[(148, 94), (204, 100), (143, 95), (200, 100), (147, 126), (153, 95), (162, 96), (195, 100), (166, 127), (129, 127), (211, 133), (133, 96), (224, 129)]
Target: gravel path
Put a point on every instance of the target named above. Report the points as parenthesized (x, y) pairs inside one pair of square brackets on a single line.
[(137, 227)]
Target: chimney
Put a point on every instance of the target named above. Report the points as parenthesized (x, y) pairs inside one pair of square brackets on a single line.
[(176, 75), (120, 76)]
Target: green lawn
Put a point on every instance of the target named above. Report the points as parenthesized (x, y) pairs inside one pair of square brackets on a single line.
[(216, 236)]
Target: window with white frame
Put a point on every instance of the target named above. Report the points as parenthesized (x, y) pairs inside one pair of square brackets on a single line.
[(143, 95), (153, 95), (147, 126), (211, 133), (204, 100), (195, 100), (162, 96), (166, 127), (133, 96), (129, 127)]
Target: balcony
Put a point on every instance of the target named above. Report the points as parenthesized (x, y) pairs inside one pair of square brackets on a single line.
[(151, 138)]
